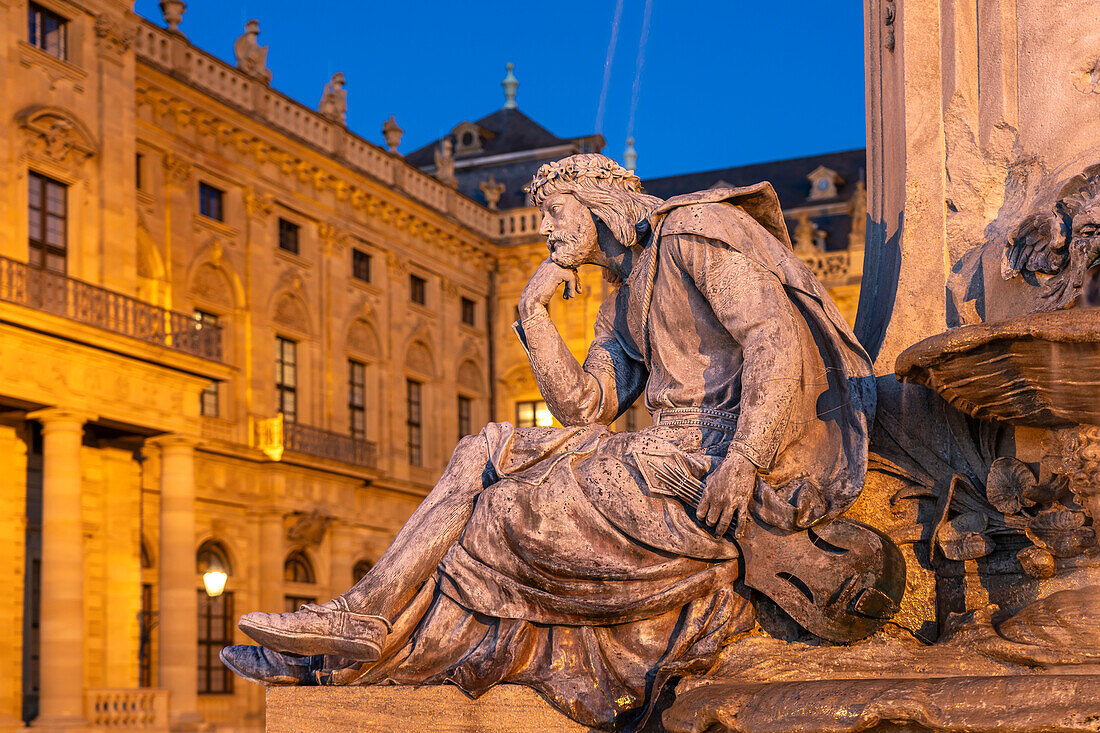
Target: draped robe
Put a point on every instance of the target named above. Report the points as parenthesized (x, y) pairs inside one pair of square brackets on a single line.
[(571, 576)]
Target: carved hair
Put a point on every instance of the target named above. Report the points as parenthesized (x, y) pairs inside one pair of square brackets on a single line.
[(612, 193)]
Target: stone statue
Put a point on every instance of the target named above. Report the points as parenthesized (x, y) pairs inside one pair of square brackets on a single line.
[(492, 189), (445, 163), (251, 56), (618, 573), (334, 100)]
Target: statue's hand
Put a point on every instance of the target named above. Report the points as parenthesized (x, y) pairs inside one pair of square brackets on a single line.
[(727, 494), (543, 284)]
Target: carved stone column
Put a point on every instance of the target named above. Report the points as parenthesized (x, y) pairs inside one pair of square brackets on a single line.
[(61, 615), (178, 631), (273, 544)]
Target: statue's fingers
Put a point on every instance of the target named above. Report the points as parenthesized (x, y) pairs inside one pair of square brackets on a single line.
[(704, 506), (724, 521), (577, 282), (714, 513)]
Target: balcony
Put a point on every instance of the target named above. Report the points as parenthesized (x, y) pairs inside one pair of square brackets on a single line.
[(142, 708), (275, 435), (85, 303)]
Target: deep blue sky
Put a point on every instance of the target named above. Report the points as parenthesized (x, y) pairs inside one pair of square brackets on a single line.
[(724, 82)]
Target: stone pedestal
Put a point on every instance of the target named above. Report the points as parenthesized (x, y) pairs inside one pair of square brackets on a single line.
[(441, 709)]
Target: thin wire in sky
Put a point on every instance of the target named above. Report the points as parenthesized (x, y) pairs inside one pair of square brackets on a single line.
[(638, 68), (607, 65)]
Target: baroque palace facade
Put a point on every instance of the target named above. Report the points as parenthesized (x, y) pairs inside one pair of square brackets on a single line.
[(235, 335)]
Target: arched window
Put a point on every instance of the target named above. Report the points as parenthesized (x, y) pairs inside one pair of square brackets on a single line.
[(216, 620), (361, 568), (212, 555), (298, 568)]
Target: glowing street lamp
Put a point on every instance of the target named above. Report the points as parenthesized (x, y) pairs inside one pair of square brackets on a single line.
[(214, 581)]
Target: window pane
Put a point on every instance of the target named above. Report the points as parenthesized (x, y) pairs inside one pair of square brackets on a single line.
[(55, 198), (55, 262), (288, 236), (35, 191), (55, 231), (543, 418), (360, 265)]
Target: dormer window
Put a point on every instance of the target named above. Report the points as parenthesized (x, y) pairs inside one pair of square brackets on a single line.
[(467, 138), (824, 183)]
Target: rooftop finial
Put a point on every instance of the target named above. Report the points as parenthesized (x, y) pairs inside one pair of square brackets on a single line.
[(510, 83), (630, 155)]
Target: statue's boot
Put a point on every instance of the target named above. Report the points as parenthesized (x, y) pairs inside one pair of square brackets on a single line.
[(330, 628), (265, 667)]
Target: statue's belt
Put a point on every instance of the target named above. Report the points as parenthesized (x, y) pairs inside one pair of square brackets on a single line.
[(697, 417)]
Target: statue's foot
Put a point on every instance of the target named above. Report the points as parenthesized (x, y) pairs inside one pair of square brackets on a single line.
[(330, 628), (265, 667)]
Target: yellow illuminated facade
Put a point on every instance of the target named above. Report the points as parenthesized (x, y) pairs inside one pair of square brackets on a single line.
[(233, 336)]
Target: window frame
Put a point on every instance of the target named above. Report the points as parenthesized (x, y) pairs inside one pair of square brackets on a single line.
[(211, 394), (209, 193), (210, 667), (468, 308), (41, 244), (418, 289), (524, 422), (360, 256), (288, 227), (36, 15), (414, 406), (357, 399), (283, 388)]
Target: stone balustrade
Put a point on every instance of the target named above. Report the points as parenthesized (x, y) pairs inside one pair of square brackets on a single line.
[(138, 708)]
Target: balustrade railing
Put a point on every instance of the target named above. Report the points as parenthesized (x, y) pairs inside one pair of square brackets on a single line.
[(140, 708), (95, 306), (326, 444)]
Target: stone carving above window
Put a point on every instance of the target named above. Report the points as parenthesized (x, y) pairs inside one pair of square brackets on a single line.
[(291, 312), (54, 135)]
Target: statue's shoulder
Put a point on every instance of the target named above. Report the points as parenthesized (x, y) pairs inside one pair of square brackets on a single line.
[(720, 213)]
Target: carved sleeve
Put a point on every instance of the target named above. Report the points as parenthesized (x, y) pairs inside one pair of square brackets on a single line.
[(598, 391), (753, 306)]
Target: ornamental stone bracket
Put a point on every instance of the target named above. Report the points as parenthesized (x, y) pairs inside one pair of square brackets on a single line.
[(114, 37)]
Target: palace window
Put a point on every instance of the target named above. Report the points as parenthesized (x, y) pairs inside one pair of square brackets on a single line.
[(412, 407), (465, 426), (216, 620), (288, 236), (357, 399), (362, 567), (286, 378), (211, 202), (360, 265), (139, 165), (469, 312), (47, 225), (46, 30), (533, 413), (298, 569), (418, 289), (208, 399)]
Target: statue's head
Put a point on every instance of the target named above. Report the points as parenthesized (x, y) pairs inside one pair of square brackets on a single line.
[(578, 193)]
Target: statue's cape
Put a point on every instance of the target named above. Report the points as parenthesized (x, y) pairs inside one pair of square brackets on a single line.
[(748, 220), (685, 215)]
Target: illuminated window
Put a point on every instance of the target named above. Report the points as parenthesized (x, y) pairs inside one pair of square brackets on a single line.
[(208, 400), (357, 399), (286, 378), (211, 202), (47, 223), (533, 413), (412, 407), (46, 30)]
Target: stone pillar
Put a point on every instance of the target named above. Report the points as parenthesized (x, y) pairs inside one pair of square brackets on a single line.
[(61, 616), (272, 554), (178, 623), (13, 528)]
